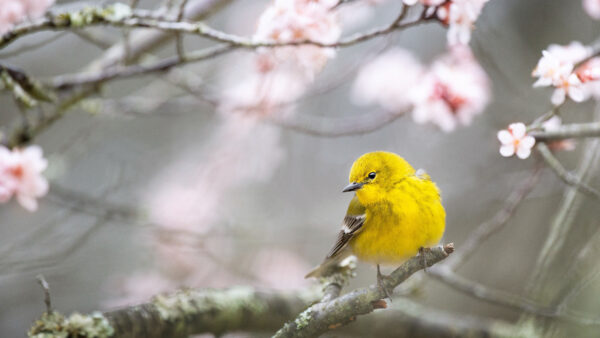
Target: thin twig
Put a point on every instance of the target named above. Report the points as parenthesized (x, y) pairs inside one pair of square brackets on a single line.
[(486, 229), (561, 223), (507, 299), (31, 47), (59, 23), (178, 36), (563, 174), (42, 281)]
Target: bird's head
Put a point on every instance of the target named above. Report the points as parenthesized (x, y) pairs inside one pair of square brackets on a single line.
[(374, 173)]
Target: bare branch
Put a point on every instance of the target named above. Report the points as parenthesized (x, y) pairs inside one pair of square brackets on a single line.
[(42, 281), (575, 130), (325, 316), (507, 299), (497, 222), (337, 127), (186, 312), (563, 174), (562, 223)]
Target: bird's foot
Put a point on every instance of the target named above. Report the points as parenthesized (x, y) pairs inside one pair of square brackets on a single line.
[(422, 251), (381, 284)]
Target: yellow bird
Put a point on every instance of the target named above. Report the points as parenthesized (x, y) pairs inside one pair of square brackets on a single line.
[(395, 212)]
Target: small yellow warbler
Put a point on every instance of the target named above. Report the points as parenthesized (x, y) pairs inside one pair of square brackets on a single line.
[(396, 211)]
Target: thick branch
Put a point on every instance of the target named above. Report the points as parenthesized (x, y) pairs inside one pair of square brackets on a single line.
[(184, 313), (324, 316)]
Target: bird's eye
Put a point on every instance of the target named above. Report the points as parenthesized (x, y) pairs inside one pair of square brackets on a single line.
[(372, 175)]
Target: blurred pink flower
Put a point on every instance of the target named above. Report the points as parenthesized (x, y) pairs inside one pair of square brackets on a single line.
[(592, 8), (281, 75), (299, 20), (460, 16), (388, 79), (515, 140), (589, 71), (452, 92), (21, 175), (14, 11)]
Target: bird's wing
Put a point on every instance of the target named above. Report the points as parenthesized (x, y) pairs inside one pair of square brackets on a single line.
[(352, 225)]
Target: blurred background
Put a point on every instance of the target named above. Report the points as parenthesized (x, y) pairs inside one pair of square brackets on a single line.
[(151, 189)]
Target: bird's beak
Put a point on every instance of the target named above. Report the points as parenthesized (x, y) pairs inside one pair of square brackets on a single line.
[(353, 186)]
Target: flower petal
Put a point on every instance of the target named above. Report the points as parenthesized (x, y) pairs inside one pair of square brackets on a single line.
[(518, 130), (523, 152), (527, 142), (507, 150), (27, 202), (576, 94), (543, 82), (558, 97), (505, 137)]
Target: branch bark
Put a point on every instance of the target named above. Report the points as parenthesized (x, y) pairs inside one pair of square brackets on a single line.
[(325, 316), (184, 313)]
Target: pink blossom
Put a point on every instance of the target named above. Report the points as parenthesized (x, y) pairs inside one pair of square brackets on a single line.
[(15, 11), (387, 80), (570, 86), (516, 141), (452, 92), (592, 8), (589, 71), (460, 16), (299, 20), (556, 66), (21, 175)]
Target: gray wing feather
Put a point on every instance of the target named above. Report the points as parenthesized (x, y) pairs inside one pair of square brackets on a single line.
[(351, 226)]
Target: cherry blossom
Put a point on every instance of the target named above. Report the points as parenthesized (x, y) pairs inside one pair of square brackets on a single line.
[(570, 86), (460, 17), (516, 141), (298, 20), (387, 79), (452, 92), (21, 175), (14, 11), (592, 8), (556, 68)]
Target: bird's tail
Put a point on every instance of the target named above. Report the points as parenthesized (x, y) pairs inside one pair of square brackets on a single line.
[(329, 266)]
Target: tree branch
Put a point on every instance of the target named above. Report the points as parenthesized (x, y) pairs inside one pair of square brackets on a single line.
[(563, 174), (184, 313), (117, 16), (575, 130), (324, 316), (496, 223)]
